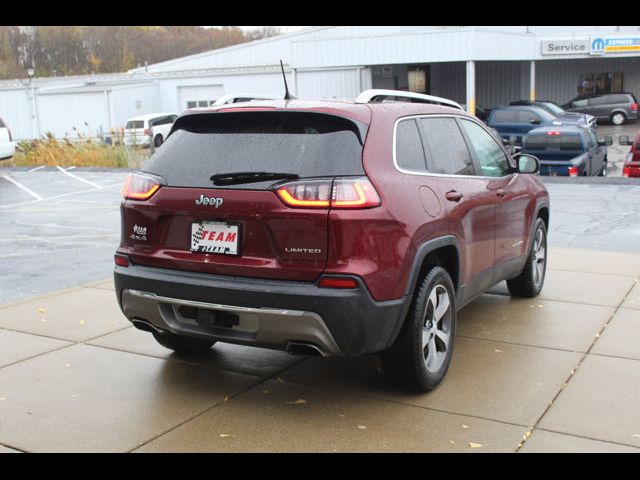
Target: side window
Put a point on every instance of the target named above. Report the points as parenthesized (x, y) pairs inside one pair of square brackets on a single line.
[(505, 116), (493, 161), (444, 147), (409, 152), (526, 116), (579, 103)]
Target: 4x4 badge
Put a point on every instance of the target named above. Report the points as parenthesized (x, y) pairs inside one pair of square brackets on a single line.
[(213, 201)]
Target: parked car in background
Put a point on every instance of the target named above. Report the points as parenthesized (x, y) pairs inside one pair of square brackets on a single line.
[(616, 108), (481, 112), (568, 150), (517, 121), (557, 111), (631, 166), (271, 225), (243, 97), (154, 127), (7, 145)]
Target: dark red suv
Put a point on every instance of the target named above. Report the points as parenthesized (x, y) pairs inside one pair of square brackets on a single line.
[(328, 228)]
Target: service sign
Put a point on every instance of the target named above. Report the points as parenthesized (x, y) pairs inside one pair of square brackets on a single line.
[(565, 46)]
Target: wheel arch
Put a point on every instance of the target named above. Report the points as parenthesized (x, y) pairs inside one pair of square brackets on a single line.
[(442, 251)]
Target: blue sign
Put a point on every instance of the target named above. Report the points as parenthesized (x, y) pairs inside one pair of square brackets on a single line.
[(601, 46)]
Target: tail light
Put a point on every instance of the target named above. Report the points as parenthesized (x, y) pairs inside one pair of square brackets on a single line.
[(634, 107), (573, 171), (341, 193), (140, 187), (626, 172), (553, 133), (121, 260), (147, 132)]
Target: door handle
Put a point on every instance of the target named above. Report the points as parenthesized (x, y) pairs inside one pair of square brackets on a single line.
[(454, 196), (501, 193)]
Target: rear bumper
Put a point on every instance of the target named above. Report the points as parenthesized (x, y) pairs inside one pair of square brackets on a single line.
[(268, 313), (7, 150)]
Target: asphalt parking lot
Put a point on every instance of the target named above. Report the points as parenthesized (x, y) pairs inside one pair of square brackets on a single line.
[(559, 373)]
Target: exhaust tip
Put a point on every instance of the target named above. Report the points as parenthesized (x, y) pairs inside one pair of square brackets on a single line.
[(299, 348), (144, 325)]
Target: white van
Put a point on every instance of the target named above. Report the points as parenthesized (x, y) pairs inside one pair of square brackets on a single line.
[(7, 146), (146, 128)]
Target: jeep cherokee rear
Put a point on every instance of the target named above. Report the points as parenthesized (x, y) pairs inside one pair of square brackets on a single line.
[(327, 227)]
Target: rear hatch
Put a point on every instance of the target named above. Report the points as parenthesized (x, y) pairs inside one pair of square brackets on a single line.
[(217, 210), (134, 132)]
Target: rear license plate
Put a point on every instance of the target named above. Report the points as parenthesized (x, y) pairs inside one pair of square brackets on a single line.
[(215, 237)]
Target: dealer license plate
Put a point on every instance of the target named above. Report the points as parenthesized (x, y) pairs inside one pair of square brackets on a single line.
[(215, 237)]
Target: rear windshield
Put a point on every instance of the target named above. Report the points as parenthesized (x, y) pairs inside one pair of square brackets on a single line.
[(301, 143), (135, 124), (554, 142)]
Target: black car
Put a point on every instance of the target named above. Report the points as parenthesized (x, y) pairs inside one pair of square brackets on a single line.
[(561, 114)]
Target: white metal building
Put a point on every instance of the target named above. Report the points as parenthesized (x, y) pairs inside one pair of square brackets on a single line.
[(484, 65)]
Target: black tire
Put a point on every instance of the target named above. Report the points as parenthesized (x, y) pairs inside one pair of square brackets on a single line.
[(618, 115), (158, 140), (405, 363), (182, 344), (531, 280)]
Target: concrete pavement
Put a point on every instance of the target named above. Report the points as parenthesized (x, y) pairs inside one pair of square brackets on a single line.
[(557, 373)]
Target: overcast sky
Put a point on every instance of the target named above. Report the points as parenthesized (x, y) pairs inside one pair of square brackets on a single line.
[(283, 29)]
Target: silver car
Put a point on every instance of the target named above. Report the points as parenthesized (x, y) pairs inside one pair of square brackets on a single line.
[(617, 108)]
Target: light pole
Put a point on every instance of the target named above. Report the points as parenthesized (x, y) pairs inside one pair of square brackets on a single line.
[(34, 106)]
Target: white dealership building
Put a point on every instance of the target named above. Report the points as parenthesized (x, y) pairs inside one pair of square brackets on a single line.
[(475, 65)]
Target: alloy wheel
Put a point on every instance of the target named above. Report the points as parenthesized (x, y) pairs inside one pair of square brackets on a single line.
[(540, 257), (436, 328)]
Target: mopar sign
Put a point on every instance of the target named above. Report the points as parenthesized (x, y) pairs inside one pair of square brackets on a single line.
[(603, 45)]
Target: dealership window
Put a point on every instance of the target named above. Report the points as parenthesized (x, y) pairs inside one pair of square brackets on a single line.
[(198, 103), (609, 82)]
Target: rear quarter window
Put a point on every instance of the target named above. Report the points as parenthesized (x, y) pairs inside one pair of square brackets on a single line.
[(505, 116)]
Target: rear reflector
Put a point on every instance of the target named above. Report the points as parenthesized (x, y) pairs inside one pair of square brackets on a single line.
[(139, 187), (573, 171), (626, 171), (121, 260), (341, 193), (337, 282)]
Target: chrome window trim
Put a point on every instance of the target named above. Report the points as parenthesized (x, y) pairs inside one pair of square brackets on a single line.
[(430, 174)]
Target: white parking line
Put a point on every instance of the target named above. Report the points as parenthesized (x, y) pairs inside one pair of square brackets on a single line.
[(22, 187), (36, 169), (73, 175), (55, 197)]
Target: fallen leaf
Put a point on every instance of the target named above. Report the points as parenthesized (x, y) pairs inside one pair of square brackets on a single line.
[(497, 351), (266, 392), (452, 442), (223, 435), (362, 427), (81, 322), (226, 399), (300, 401), (67, 364), (341, 415), (465, 426), (41, 310), (475, 445), (540, 306)]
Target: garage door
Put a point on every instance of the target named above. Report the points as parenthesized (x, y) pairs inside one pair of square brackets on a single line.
[(199, 95)]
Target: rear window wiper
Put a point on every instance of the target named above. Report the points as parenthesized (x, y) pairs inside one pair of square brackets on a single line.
[(250, 177)]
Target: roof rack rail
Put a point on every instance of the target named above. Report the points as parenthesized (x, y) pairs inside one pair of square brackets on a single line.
[(369, 96), (234, 97)]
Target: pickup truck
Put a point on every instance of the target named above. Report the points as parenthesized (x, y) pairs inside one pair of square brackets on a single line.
[(568, 150)]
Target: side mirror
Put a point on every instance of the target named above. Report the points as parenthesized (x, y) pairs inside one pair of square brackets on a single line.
[(607, 142), (534, 121), (527, 163), (624, 140)]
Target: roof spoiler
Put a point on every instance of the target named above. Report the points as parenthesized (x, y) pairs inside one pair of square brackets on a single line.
[(378, 95)]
